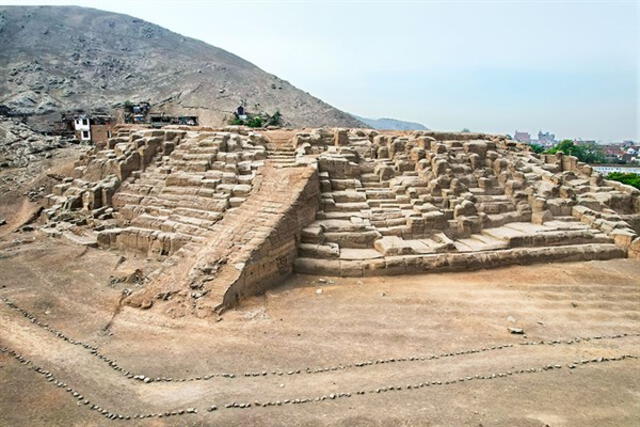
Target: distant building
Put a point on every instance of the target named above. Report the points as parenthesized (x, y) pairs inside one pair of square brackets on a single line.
[(162, 119), (136, 113), (522, 137), (546, 138), (82, 128), (93, 129), (605, 169)]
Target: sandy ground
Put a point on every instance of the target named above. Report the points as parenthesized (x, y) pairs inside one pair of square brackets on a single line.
[(312, 323)]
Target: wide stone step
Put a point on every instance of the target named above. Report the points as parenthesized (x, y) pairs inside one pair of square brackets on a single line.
[(498, 220), (369, 178), (173, 201), (194, 156), (353, 239), (480, 242), (346, 196), (182, 225), (212, 193), (350, 207), (533, 235), (330, 250), (140, 188), (415, 264), (198, 213), (380, 194), (194, 166), (495, 207), (382, 203), (192, 221), (375, 185), (337, 215), (390, 222), (122, 198), (286, 156)]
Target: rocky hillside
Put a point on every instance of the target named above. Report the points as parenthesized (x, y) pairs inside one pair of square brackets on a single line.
[(65, 58), (20, 145)]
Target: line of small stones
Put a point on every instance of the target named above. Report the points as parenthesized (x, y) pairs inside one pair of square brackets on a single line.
[(417, 386), (113, 364), (94, 350), (82, 400)]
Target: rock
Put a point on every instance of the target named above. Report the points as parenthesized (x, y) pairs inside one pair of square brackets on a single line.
[(517, 331)]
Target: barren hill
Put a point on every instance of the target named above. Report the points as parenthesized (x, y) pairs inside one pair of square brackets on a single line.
[(64, 58), (390, 124)]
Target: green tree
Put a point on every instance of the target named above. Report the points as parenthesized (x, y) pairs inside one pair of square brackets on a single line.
[(255, 122), (275, 120), (588, 153), (537, 148)]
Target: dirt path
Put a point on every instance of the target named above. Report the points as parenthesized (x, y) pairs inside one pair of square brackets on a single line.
[(350, 339)]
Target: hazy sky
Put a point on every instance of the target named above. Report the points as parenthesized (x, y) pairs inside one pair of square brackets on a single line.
[(568, 67)]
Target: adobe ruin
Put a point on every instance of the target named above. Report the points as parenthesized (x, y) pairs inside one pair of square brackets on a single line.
[(233, 211)]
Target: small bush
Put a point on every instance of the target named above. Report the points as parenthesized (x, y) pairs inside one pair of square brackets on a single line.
[(632, 179), (255, 122), (537, 148), (275, 120)]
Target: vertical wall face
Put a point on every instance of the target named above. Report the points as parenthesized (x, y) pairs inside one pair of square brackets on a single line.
[(100, 133), (274, 258)]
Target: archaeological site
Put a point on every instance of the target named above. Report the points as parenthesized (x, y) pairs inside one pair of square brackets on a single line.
[(189, 240), (218, 231), (232, 212)]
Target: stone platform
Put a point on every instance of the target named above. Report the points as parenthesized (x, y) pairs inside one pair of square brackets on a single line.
[(233, 211)]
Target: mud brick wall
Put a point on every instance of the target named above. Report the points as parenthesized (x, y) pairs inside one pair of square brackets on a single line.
[(273, 260)]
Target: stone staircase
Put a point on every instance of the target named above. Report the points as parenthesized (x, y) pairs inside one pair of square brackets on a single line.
[(183, 195), (250, 249), (282, 156), (280, 150), (99, 173)]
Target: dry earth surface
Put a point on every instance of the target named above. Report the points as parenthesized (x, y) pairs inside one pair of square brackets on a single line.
[(315, 322)]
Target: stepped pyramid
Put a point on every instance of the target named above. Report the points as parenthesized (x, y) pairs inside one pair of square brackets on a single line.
[(232, 211)]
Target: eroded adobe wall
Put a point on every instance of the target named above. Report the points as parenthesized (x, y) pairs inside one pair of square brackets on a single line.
[(273, 260)]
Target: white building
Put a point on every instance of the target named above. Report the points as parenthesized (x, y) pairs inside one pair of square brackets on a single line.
[(82, 126), (605, 169)]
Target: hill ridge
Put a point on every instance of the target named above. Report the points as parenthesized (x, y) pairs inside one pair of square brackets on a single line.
[(60, 58)]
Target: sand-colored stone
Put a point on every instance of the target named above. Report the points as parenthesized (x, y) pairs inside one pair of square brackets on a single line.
[(231, 212)]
